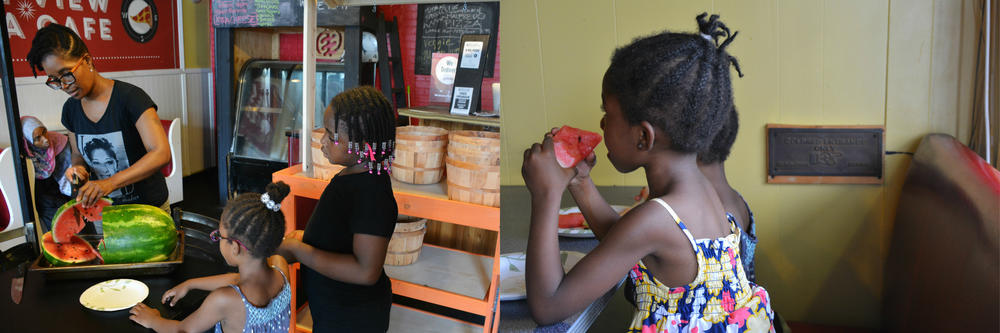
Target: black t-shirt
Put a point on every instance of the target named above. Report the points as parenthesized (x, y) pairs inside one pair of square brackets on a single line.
[(360, 203), (112, 144)]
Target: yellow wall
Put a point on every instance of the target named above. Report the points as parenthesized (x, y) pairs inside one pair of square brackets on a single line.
[(196, 30), (906, 65)]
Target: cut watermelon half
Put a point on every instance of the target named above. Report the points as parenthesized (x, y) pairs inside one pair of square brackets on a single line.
[(74, 250), (70, 218), (574, 145)]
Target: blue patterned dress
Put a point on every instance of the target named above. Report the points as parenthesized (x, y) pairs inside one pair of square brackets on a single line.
[(720, 299), (272, 318)]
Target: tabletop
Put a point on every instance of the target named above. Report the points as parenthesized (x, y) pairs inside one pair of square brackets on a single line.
[(53, 305), (515, 211)]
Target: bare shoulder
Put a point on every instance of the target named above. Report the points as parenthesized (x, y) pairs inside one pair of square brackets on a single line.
[(652, 222)]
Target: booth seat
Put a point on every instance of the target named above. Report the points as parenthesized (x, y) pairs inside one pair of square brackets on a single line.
[(942, 272), (174, 171), (10, 203)]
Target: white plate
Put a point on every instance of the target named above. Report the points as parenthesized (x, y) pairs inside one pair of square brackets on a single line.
[(582, 232), (114, 295), (512, 286)]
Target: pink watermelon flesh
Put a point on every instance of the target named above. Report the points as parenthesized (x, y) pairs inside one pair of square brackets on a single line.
[(74, 251), (574, 145), (70, 219)]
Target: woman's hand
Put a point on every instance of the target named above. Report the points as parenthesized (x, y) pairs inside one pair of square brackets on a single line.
[(144, 315), (94, 190), (287, 248), (176, 293), (542, 173), (80, 172)]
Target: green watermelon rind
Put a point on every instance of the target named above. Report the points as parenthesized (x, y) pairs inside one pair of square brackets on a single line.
[(136, 233), (59, 262)]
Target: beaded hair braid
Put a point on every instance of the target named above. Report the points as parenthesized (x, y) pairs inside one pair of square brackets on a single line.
[(678, 82), (371, 126)]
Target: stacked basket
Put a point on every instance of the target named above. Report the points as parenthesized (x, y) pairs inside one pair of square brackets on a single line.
[(473, 167), (419, 154)]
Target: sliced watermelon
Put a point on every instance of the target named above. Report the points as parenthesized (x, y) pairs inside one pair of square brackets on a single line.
[(71, 216), (74, 251), (571, 220), (574, 145)]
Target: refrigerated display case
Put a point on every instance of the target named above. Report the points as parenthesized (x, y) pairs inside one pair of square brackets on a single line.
[(269, 105)]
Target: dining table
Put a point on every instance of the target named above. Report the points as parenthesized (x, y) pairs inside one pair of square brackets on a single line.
[(515, 315), (53, 305)]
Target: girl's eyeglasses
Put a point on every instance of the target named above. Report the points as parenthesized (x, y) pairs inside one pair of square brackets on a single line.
[(65, 79), (216, 236)]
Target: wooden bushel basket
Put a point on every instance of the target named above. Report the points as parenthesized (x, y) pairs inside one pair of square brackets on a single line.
[(419, 154), (406, 241), (473, 167)]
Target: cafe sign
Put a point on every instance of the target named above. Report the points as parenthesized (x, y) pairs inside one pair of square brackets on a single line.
[(825, 154), (121, 35)]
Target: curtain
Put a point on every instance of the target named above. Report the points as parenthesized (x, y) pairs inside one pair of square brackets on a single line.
[(979, 129)]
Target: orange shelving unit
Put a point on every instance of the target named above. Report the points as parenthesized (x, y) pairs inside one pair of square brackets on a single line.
[(442, 276)]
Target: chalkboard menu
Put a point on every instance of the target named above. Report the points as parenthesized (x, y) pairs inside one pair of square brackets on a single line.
[(440, 28), (277, 13)]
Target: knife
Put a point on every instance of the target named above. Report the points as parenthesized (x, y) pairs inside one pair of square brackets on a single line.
[(17, 283), (75, 186)]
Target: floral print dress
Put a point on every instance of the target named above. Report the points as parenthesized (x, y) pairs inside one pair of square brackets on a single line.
[(720, 299)]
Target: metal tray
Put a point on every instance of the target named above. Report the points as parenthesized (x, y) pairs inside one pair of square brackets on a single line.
[(95, 270)]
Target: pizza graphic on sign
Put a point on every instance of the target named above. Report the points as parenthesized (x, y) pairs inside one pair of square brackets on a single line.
[(145, 16), (139, 19)]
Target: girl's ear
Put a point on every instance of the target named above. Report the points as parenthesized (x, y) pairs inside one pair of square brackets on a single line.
[(646, 136)]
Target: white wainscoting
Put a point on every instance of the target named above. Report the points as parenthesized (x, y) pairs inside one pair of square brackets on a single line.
[(163, 86)]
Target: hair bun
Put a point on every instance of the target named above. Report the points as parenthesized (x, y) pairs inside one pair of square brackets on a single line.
[(277, 191)]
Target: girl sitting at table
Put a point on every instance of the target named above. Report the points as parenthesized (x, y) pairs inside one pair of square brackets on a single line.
[(258, 297), (665, 97), (343, 247), (48, 153)]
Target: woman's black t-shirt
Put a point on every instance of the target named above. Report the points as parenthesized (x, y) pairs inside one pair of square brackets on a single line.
[(360, 203), (112, 144)]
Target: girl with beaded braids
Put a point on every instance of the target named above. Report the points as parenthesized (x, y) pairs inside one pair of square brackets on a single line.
[(665, 97), (258, 297), (343, 247)]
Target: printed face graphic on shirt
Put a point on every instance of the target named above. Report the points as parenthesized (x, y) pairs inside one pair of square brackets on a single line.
[(105, 154)]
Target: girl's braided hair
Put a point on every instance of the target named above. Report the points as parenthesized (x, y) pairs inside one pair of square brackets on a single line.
[(258, 227), (371, 124), (678, 82)]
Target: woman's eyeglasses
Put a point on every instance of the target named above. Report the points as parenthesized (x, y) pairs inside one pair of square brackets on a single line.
[(216, 236), (65, 79)]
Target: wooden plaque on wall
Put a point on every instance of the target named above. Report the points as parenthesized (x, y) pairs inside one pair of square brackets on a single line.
[(825, 154)]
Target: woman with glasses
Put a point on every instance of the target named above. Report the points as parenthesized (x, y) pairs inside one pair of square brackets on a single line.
[(118, 144)]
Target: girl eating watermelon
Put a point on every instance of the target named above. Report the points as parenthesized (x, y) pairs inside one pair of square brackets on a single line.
[(345, 241), (665, 97), (258, 298)]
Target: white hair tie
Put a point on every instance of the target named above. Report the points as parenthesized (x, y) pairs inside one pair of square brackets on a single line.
[(707, 37), (266, 199)]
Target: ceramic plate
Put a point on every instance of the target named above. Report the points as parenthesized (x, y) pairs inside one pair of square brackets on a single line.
[(512, 286), (114, 295), (582, 232)]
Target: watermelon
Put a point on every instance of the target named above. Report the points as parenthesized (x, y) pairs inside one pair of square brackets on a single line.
[(574, 145), (74, 250), (137, 233), (571, 220), (71, 216), (132, 233)]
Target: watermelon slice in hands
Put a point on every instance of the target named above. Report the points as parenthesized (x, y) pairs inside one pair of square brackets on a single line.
[(71, 216), (574, 145)]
